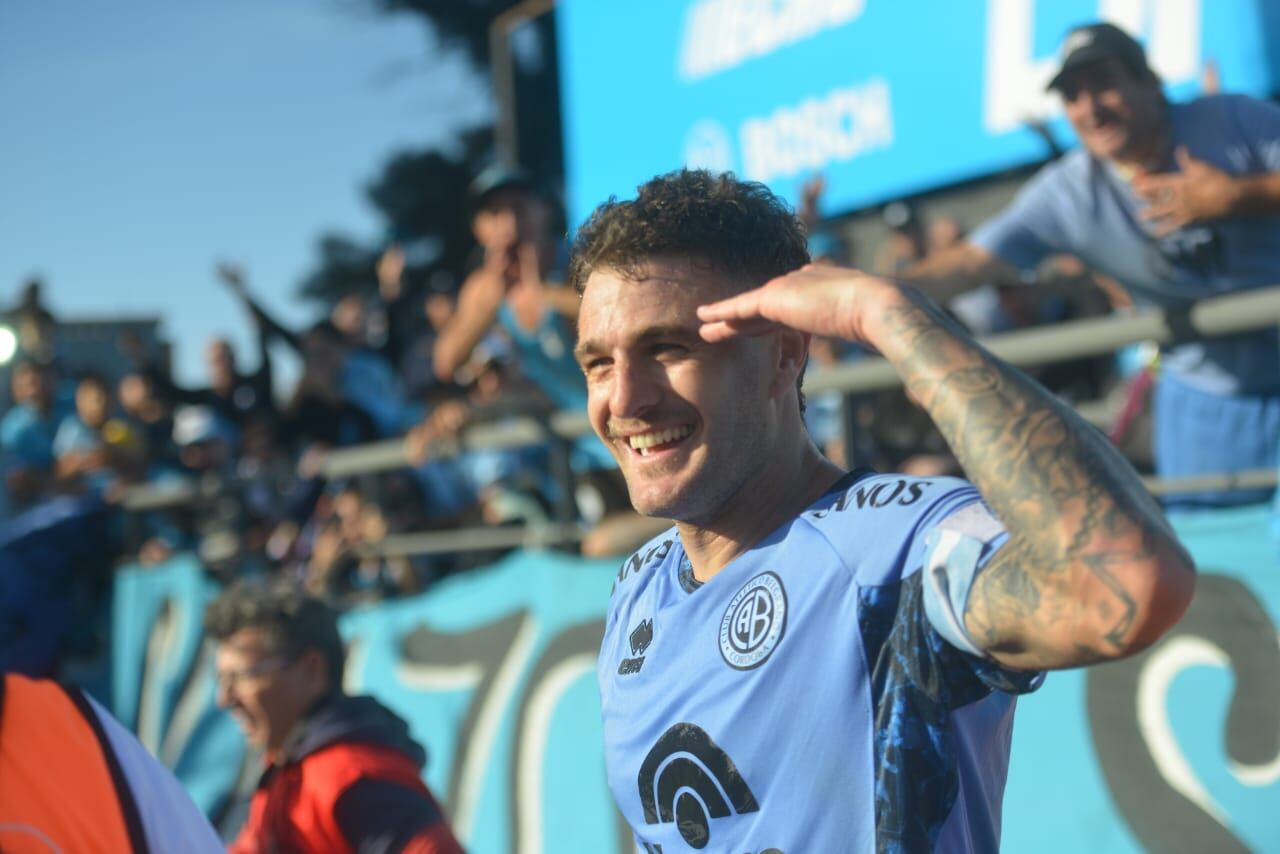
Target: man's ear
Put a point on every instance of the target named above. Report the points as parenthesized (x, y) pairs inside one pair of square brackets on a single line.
[(316, 668), (792, 356)]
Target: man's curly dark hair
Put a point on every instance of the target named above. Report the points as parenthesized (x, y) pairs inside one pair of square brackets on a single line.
[(738, 227), (293, 621)]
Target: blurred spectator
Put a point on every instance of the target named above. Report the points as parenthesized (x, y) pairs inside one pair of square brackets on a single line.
[(1177, 202), (206, 442), (319, 411), (341, 773), (212, 524), (517, 286), (484, 486), (340, 567), (150, 417), (93, 445), (418, 368), (339, 370), (27, 433), (233, 395), (826, 246), (35, 325), (906, 244)]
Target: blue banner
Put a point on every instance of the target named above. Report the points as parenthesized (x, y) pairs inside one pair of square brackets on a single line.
[(1175, 749), (886, 98)]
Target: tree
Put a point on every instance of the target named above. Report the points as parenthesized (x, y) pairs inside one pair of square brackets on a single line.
[(422, 194)]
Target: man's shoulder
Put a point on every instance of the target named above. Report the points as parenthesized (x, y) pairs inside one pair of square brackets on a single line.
[(873, 496), (1224, 115), (17, 418), (1070, 169), (641, 563), (1221, 103), (333, 769), (877, 522)]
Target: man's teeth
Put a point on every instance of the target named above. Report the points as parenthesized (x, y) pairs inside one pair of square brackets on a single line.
[(660, 437)]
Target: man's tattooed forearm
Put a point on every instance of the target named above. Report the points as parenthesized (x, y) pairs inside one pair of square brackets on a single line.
[(1066, 496)]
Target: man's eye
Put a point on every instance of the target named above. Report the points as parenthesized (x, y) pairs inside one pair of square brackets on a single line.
[(668, 347)]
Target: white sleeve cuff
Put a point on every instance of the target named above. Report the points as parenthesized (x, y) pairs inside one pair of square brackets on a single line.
[(957, 548)]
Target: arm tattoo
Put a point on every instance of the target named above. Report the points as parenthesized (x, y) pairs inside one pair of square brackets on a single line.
[(1071, 503)]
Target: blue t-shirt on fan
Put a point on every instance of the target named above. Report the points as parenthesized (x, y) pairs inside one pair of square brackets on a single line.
[(1086, 207), (819, 693)]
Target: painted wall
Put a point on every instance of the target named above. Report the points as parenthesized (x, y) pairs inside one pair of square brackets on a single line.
[(1176, 749)]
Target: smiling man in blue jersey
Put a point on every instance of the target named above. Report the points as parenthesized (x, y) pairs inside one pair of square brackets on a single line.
[(815, 660)]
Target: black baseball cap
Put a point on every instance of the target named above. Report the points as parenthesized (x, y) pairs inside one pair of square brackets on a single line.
[(1096, 42), (498, 177)]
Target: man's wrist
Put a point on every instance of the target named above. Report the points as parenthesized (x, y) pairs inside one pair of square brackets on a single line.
[(877, 301)]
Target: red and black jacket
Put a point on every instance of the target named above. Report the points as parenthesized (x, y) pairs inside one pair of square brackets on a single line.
[(349, 781)]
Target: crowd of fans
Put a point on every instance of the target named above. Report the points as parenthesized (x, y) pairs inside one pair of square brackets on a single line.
[(245, 462), (237, 470)]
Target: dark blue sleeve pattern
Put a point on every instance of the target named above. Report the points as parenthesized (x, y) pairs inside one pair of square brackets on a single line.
[(917, 680)]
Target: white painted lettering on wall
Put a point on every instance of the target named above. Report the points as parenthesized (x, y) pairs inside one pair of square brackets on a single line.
[(723, 34)]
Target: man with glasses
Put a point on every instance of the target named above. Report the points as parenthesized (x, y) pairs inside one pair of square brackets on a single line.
[(1178, 202), (341, 773)]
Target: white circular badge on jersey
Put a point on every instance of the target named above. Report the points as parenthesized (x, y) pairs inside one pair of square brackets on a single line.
[(754, 622)]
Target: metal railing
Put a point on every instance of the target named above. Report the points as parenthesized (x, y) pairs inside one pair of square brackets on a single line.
[(1208, 318)]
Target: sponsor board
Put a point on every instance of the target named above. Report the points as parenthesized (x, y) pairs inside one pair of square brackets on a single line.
[(886, 98)]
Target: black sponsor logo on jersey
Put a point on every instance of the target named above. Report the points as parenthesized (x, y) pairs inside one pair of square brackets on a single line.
[(902, 493), (639, 560), (687, 779), (641, 636)]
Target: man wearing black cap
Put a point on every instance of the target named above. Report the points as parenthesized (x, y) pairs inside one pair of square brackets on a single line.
[(1176, 201)]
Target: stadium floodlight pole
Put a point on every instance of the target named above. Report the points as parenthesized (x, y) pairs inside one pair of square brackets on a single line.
[(502, 73)]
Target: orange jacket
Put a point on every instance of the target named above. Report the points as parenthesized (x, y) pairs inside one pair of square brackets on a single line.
[(72, 777)]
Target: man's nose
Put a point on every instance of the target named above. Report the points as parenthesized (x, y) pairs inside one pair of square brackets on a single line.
[(635, 390)]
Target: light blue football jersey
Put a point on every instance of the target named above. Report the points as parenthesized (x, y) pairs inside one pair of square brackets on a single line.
[(802, 700)]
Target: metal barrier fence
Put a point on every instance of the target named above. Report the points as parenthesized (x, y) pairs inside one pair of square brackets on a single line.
[(1208, 318)]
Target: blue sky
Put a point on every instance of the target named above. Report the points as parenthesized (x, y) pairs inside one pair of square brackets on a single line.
[(144, 139)]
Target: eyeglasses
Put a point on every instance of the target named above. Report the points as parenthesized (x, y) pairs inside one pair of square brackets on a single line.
[(229, 679)]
